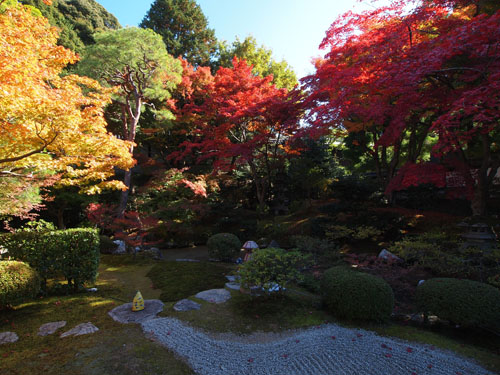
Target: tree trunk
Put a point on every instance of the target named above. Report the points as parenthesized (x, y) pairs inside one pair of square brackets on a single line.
[(479, 201), (125, 193), (60, 218)]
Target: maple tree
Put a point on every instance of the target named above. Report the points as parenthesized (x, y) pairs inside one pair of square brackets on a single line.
[(52, 128), (243, 120), (402, 80), (136, 62)]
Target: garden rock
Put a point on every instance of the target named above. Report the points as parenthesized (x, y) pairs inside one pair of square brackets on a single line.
[(124, 313), (187, 260), (232, 278), (387, 255), (186, 305), (121, 248), (50, 328), (81, 329), (233, 285), (8, 337), (214, 295)]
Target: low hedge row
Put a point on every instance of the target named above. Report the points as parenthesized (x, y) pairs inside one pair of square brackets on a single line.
[(18, 281), (72, 253), (464, 302)]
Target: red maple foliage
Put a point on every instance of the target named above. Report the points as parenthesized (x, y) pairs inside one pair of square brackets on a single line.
[(240, 118), (396, 75)]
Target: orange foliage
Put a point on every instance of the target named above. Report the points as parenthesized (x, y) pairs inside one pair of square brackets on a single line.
[(49, 122)]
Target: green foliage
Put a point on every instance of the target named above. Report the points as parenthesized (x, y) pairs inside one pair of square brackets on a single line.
[(270, 267), (184, 29), (179, 280), (77, 20), (39, 225), (362, 232), (464, 302), (72, 253), (356, 295), (353, 188), (68, 37), (323, 251), (106, 245), (261, 60), (446, 256), (120, 52), (18, 281), (223, 246)]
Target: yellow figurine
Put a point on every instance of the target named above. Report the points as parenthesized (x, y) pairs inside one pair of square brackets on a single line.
[(138, 302)]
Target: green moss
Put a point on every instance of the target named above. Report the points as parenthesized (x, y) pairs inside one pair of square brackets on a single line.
[(179, 280)]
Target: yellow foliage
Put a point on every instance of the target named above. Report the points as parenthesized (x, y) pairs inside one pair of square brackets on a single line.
[(50, 122)]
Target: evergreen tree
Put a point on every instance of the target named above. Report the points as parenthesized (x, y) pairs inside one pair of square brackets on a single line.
[(184, 29)]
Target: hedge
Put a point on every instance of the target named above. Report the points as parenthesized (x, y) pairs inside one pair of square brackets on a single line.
[(223, 246), (72, 253), (18, 281), (464, 302), (356, 295)]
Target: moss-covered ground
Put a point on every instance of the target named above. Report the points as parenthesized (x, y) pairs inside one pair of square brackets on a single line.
[(123, 349)]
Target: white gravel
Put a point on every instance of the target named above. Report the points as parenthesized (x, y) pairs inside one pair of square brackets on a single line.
[(325, 350)]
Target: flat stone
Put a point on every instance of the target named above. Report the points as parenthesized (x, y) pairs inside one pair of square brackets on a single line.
[(50, 328), (81, 329), (8, 337), (186, 305), (124, 313), (214, 295), (233, 285), (187, 260), (232, 278)]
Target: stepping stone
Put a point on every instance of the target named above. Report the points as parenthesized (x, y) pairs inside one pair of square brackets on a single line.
[(50, 328), (8, 337), (187, 260), (124, 313), (214, 295), (232, 278), (81, 329), (186, 305), (233, 285)]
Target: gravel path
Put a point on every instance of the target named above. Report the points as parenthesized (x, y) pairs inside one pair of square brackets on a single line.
[(325, 350)]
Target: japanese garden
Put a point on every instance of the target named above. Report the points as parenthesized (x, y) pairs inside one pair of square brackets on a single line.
[(173, 203)]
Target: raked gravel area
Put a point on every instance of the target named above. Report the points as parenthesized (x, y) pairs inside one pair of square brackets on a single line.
[(324, 350)]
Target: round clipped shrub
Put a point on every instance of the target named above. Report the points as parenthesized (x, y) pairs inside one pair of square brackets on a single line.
[(223, 246), (464, 302), (18, 281), (355, 295)]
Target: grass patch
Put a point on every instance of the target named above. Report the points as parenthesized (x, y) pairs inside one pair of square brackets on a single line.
[(178, 280), (114, 349), (244, 314)]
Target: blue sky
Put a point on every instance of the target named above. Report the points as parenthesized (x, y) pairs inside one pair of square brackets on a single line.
[(292, 29)]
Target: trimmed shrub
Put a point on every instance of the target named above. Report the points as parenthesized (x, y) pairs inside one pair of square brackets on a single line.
[(106, 245), (272, 269), (18, 281), (72, 253), (464, 302), (356, 295), (223, 246)]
